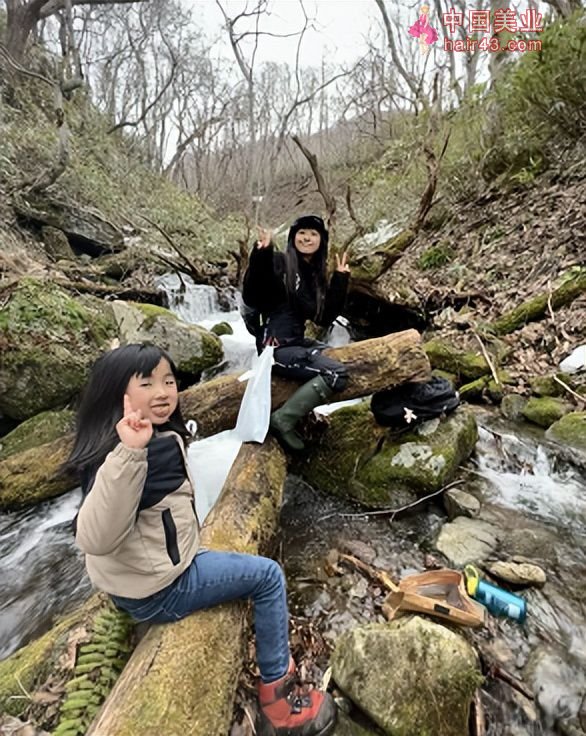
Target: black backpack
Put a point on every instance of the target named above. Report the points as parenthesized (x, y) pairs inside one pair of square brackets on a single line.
[(410, 404)]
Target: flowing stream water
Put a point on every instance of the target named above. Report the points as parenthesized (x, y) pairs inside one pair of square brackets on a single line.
[(537, 501)]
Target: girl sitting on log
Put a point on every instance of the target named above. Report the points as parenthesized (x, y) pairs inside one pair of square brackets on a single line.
[(288, 289), (140, 534)]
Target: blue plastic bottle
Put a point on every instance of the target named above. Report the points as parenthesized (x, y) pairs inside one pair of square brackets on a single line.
[(498, 601)]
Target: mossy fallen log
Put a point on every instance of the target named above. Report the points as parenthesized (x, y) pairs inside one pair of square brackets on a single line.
[(572, 285), (373, 365), (369, 264), (31, 476), (182, 677)]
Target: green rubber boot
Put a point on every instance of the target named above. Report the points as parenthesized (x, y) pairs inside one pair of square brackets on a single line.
[(307, 397)]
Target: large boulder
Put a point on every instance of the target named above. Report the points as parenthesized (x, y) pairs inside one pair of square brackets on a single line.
[(33, 475), (411, 676), (192, 348), (48, 341), (358, 458), (545, 410), (38, 430), (85, 230), (30, 457)]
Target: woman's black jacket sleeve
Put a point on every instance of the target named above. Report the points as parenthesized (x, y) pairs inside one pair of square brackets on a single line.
[(335, 298), (263, 286)]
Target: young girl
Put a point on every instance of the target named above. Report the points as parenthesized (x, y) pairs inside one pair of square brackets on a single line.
[(288, 289), (140, 534)]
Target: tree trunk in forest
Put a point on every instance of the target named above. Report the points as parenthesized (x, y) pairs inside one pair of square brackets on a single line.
[(181, 679), (372, 365), (20, 21)]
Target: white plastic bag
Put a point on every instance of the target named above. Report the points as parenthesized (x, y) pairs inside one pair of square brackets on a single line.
[(252, 424), (211, 458), (575, 361), (209, 462)]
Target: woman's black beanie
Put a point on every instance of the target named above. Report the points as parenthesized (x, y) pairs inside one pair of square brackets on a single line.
[(308, 222)]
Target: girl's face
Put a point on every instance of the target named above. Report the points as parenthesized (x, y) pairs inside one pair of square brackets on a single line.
[(307, 241), (155, 395)]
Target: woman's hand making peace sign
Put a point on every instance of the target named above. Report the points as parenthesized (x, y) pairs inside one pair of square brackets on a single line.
[(134, 431), (342, 264)]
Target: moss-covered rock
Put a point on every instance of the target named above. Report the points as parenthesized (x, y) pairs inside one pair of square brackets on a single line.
[(413, 677), (358, 458), (545, 386), (570, 430), (48, 342), (192, 348), (484, 388), (465, 365), (222, 328), (545, 411), (38, 430), (451, 377), (33, 475), (512, 407)]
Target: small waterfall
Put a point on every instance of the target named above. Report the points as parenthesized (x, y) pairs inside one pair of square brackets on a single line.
[(192, 302), (199, 304)]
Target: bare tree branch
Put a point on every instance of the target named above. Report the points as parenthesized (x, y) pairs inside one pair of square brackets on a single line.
[(322, 187)]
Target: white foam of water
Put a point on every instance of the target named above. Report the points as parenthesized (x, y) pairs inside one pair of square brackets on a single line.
[(35, 531), (522, 474)]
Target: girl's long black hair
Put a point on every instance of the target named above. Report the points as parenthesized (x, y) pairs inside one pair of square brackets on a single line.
[(101, 406), (319, 260)]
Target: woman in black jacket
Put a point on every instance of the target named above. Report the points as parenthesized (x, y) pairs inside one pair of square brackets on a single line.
[(287, 289)]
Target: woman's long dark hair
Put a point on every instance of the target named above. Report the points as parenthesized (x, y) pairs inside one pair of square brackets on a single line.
[(101, 406), (318, 262)]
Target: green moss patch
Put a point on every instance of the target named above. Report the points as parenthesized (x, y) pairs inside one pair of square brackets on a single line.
[(49, 341)]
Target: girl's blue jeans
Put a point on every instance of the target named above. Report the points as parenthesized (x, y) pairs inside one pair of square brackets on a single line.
[(219, 577)]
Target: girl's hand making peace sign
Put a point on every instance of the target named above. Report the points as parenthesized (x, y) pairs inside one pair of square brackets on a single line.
[(264, 237), (133, 430), (342, 263)]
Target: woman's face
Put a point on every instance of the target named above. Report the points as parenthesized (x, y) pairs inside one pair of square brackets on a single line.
[(307, 241), (155, 395)]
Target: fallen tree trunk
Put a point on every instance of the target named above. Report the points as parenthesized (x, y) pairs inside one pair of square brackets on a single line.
[(536, 308), (372, 365), (369, 266), (182, 677), (105, 291)]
